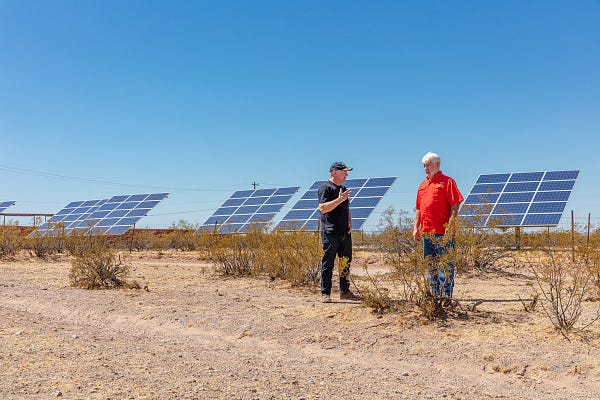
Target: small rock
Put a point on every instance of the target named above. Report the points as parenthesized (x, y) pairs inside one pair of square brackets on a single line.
[(18, 333), (75, 336), (405, 374), (472, 306), (56, 393)]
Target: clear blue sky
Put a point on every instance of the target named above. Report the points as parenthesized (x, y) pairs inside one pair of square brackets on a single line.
[(201, 98)]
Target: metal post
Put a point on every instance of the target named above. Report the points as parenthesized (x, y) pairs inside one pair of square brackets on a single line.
[(573, 236), (517, 238), (131, 243), (587, 241)]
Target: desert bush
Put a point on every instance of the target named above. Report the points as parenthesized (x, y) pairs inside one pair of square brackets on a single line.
[(564, 280), (42, 246), (293, 256), (410, 270), (98, 268), (47, 243), (10, 240), (374, 293), (183, 236), (160, 243), (78, 243), (140, 240), (401, 252), (235, 254), (482, 248)]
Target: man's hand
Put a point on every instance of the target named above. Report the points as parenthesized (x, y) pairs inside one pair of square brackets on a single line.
[(416, 233), (343, 196), (330, 205)]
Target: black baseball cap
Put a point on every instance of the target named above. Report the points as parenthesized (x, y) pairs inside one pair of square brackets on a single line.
[(339, 166)]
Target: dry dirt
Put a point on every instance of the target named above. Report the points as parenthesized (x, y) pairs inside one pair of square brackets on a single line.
[(198, 335)]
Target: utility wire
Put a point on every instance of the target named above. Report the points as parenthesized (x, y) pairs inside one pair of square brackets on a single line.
[(96, 181)]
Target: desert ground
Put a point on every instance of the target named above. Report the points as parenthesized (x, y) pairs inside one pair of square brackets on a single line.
[(195, 334)]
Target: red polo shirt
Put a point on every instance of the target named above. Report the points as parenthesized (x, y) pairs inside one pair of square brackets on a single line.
[(435, 198)]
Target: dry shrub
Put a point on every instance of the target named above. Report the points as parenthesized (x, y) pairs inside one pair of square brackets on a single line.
[(10, 240), (374, 294), (400, 251), (564, 280), (49, 242), (434, 306), (78, 243), (42, 246), (293, 256), (160, 243), (141, 240), (183, 236), (235, 254), (98, 268), (482, 248), (182, 239), (589, 254)]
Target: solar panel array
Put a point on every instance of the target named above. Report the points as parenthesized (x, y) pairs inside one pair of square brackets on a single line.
[(5, 204), (366, 194), (112, 216), (519, 199), (248, 210)]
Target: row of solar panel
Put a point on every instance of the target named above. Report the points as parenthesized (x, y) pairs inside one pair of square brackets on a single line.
[(359, 215), (522, 187), (112, 216), (89, 223), (265, 192), (514, 220), (529, 176), (514, 208), (118, 199), (300, 205), (103, 209), (354, 202), (356, 192), (249, 210), (366, 194), (520, 197)]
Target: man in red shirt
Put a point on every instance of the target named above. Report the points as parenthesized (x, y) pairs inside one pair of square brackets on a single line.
[(438, 200)]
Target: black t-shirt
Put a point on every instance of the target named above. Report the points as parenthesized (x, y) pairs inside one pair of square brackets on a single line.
[(336, 220)]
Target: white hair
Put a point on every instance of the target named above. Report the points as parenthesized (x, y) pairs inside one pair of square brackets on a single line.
[(431, 157)]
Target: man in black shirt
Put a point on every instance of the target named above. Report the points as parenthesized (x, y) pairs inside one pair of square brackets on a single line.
[(336, 228)]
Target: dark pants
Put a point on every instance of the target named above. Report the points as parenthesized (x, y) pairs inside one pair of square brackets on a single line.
[(335, 244), (441, 277)]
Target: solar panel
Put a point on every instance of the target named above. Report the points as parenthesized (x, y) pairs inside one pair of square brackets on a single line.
[(5, 204), (248, 210), (366, 194), (113, 216), (519, 199)]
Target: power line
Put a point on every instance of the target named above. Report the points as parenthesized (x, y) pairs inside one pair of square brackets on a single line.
[(101, 182)]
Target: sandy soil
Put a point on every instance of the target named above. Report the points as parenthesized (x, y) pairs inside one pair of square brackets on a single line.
[(197, 335)]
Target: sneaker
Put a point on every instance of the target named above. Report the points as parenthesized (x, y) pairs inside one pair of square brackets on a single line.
[(349, 296), (326, 298)]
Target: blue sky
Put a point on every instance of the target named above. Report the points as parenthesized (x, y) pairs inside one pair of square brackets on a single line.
[(202, 98)]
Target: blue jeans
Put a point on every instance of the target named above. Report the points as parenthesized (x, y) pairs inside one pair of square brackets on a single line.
[(439, 278), (335, 244)]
